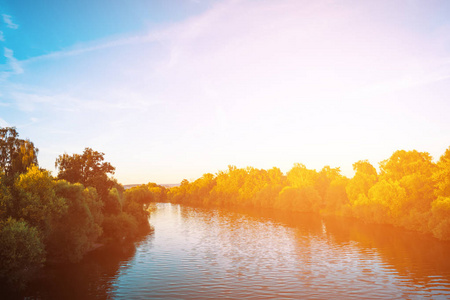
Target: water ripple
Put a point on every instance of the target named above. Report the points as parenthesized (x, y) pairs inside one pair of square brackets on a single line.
[(198, 253), (203, 254)]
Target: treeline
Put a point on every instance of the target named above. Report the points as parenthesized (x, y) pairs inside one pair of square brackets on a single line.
[(410, 191), (59, 219)]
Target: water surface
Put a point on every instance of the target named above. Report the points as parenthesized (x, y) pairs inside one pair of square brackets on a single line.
[(198, 253)]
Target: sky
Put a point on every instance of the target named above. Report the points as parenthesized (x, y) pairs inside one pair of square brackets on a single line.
[(174, 89)]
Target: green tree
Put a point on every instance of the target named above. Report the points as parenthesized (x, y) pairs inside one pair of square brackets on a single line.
[(6, 198), (112, 202), (36, 201), (21, 251), (74, 233), (118, 228), (88, 168), (16, 155)]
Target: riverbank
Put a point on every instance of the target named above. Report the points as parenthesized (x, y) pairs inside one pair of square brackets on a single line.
[(411, 191)]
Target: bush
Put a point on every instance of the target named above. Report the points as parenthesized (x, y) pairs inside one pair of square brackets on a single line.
[(76, 231), (117, 228), (21, 251), (112, 202), (36, 201)]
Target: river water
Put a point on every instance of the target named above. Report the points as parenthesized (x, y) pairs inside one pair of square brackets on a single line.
[(200, 253)]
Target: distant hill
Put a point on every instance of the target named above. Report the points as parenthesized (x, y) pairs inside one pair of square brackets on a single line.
[(129, 186), (168, 185)]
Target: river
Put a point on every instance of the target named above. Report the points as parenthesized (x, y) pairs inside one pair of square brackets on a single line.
[(200, 253)]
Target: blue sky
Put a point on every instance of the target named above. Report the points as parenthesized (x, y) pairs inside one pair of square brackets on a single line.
[(174, 89), (52, 25)]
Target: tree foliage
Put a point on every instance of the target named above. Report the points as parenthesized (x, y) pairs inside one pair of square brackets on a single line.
[(365, 177), (37, 201), (75, 232), (88, 168), (43, 218), (441, 176), (21, 250), (410, 191), (16, 155)]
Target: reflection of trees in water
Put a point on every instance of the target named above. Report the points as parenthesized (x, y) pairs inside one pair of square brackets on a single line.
[(414, 256), (92, 278), (410, 253), (246, 232), (309, 222), (417, 257)]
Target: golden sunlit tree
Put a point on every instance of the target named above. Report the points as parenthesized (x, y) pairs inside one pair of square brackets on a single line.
[(440, 208), (299, 176), (411, 191), (365, 177), (267, 196), (413, 171), (228, 183), (336, 199), (386, 202)]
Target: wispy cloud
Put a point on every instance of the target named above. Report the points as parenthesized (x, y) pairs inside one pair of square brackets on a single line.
[(3, 123), (30, 100), (2, 36), (8, 21), (97, 46), (12, 66)]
